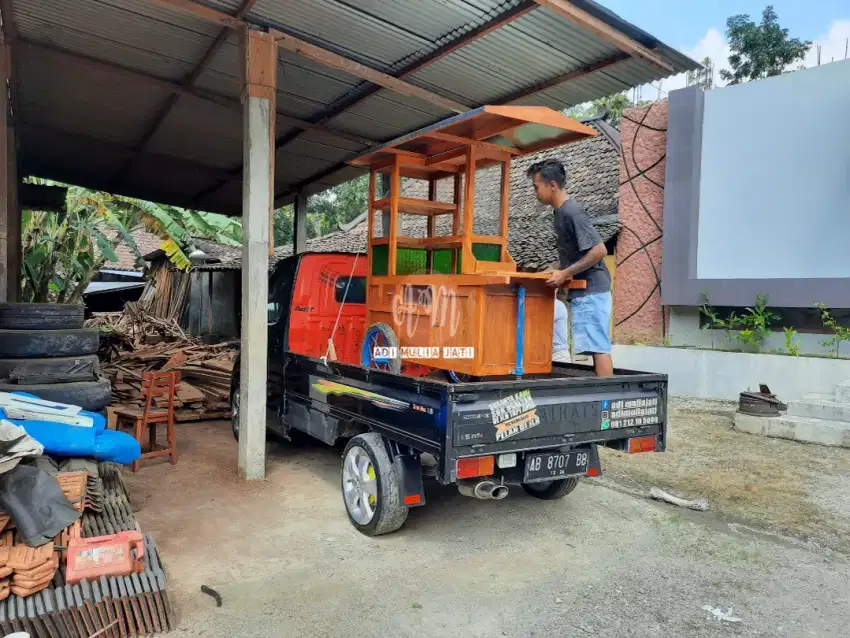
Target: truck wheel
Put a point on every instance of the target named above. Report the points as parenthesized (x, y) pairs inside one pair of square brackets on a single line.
[(551, 490), (370, 486), (380, 335), (41, 316)]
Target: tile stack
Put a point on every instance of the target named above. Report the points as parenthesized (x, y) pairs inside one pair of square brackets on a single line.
[(34, 596)]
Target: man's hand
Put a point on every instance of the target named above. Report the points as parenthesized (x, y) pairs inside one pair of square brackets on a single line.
[(559, 278)]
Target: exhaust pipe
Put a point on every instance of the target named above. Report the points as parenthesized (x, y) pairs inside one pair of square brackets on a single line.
[(483, 490), (499, 492)]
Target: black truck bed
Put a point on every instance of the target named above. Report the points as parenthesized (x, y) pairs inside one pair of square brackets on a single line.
[(566, 408)]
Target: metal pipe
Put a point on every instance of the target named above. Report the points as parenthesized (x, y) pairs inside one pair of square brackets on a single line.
[(499, 492), (482, 490)]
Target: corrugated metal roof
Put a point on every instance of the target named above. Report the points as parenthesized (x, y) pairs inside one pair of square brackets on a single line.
[(97, 116)]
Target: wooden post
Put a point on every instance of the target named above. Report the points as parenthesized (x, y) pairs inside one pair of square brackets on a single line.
[(370, 223), (432, 227), (260, 54), (468, 263), (395, 187), (505, 207), (456, 219), (299, 224), (10, 213)]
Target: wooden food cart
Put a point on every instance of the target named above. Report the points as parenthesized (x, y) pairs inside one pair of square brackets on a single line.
[(456, 301)]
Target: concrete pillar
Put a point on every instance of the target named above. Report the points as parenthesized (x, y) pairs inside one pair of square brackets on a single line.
[(258, 117), (299, 224), (5, 212)]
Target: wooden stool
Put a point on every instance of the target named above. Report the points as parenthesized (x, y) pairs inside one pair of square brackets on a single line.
[(144, 422)]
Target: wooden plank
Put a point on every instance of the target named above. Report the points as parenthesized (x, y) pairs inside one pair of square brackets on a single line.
[(466, 141), (333, 60), (456, 217), (414, 206), (584, 20)]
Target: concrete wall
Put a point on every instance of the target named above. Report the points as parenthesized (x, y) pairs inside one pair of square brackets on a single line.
[(723, 375), (684, 330), (638, 313), (774, 185), (757, 190)]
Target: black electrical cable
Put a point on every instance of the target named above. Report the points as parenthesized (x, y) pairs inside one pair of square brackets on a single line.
[(630, 179)]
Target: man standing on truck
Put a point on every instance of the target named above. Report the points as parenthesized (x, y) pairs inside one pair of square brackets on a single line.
[(580, 253)]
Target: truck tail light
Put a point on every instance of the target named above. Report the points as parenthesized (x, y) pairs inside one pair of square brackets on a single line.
[(642, 444), (476, 466)]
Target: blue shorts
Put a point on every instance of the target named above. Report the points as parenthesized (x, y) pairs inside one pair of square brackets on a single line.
[(590, 317)]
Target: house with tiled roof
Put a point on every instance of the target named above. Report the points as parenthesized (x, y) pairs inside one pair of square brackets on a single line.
[(593, 179)]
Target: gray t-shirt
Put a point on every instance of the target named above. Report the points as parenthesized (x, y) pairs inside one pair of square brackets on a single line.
[(576, 235)]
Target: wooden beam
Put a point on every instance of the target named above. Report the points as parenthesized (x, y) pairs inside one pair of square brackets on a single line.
[(333, 60), (320, 55), (202, 94), (603, 31), (202, 12), (171, 101), (465, 141), (565, 77)]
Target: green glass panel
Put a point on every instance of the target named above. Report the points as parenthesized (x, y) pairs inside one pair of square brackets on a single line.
[(442, 261), (379, 260), (487, 252)]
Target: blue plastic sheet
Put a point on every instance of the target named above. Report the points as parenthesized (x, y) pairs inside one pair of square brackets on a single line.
[(61, 439)]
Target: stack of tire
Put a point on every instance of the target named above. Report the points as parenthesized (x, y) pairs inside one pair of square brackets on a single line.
[(44, 350)]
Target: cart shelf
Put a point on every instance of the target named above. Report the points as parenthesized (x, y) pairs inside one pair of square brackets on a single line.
[(413, 206)]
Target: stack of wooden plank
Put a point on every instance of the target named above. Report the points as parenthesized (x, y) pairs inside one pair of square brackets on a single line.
[(205, 371)]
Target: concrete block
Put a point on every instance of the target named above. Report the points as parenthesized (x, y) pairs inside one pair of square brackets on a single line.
[(842, 392), (796, 428), (820, 409)]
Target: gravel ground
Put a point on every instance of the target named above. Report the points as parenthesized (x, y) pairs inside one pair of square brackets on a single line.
[(600, 562)]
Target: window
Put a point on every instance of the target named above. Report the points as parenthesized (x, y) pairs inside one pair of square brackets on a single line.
[(356, 290)]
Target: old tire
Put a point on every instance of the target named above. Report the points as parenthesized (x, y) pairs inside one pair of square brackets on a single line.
[(53, 369), (41, 316), (551, 490), (371, 488), (89, 395), (19, 344)]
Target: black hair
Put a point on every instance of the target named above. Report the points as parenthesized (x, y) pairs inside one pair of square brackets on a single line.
[(550, 170)]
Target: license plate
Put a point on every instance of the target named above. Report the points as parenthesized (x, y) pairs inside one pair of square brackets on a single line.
[(553, 465)]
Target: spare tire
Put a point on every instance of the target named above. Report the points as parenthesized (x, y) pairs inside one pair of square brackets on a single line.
[(50, 370), (41, 316), (17, 344), (89, 395)]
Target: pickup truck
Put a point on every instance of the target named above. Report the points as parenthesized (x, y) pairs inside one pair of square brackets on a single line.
[(540, 432)]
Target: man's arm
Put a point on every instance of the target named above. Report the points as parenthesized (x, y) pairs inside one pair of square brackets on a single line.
[(590, 258)]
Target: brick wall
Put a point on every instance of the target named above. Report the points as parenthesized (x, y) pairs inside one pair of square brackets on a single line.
[(638, 314)]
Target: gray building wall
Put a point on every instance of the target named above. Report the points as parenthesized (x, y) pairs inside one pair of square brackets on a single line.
[(757, 196)]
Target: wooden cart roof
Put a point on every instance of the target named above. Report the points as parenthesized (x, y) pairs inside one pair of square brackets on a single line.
[(518, 130)]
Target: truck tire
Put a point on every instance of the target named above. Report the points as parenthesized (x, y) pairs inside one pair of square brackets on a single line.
[(41, 316), (380, 335), (19, 344), (89, 395), (51, 369), (551, 490), (370, 485)]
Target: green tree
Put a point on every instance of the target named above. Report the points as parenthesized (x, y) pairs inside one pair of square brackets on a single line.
[(760, 50), (704, 77), (614, 104)]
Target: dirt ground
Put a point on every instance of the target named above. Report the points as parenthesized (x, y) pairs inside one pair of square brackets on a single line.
[(775, 484), (601, 562)]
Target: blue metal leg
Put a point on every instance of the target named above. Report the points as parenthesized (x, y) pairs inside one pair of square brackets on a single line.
[(520, 328)]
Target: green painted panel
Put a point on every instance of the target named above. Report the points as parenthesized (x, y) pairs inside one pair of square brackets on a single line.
[(487, 252)]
